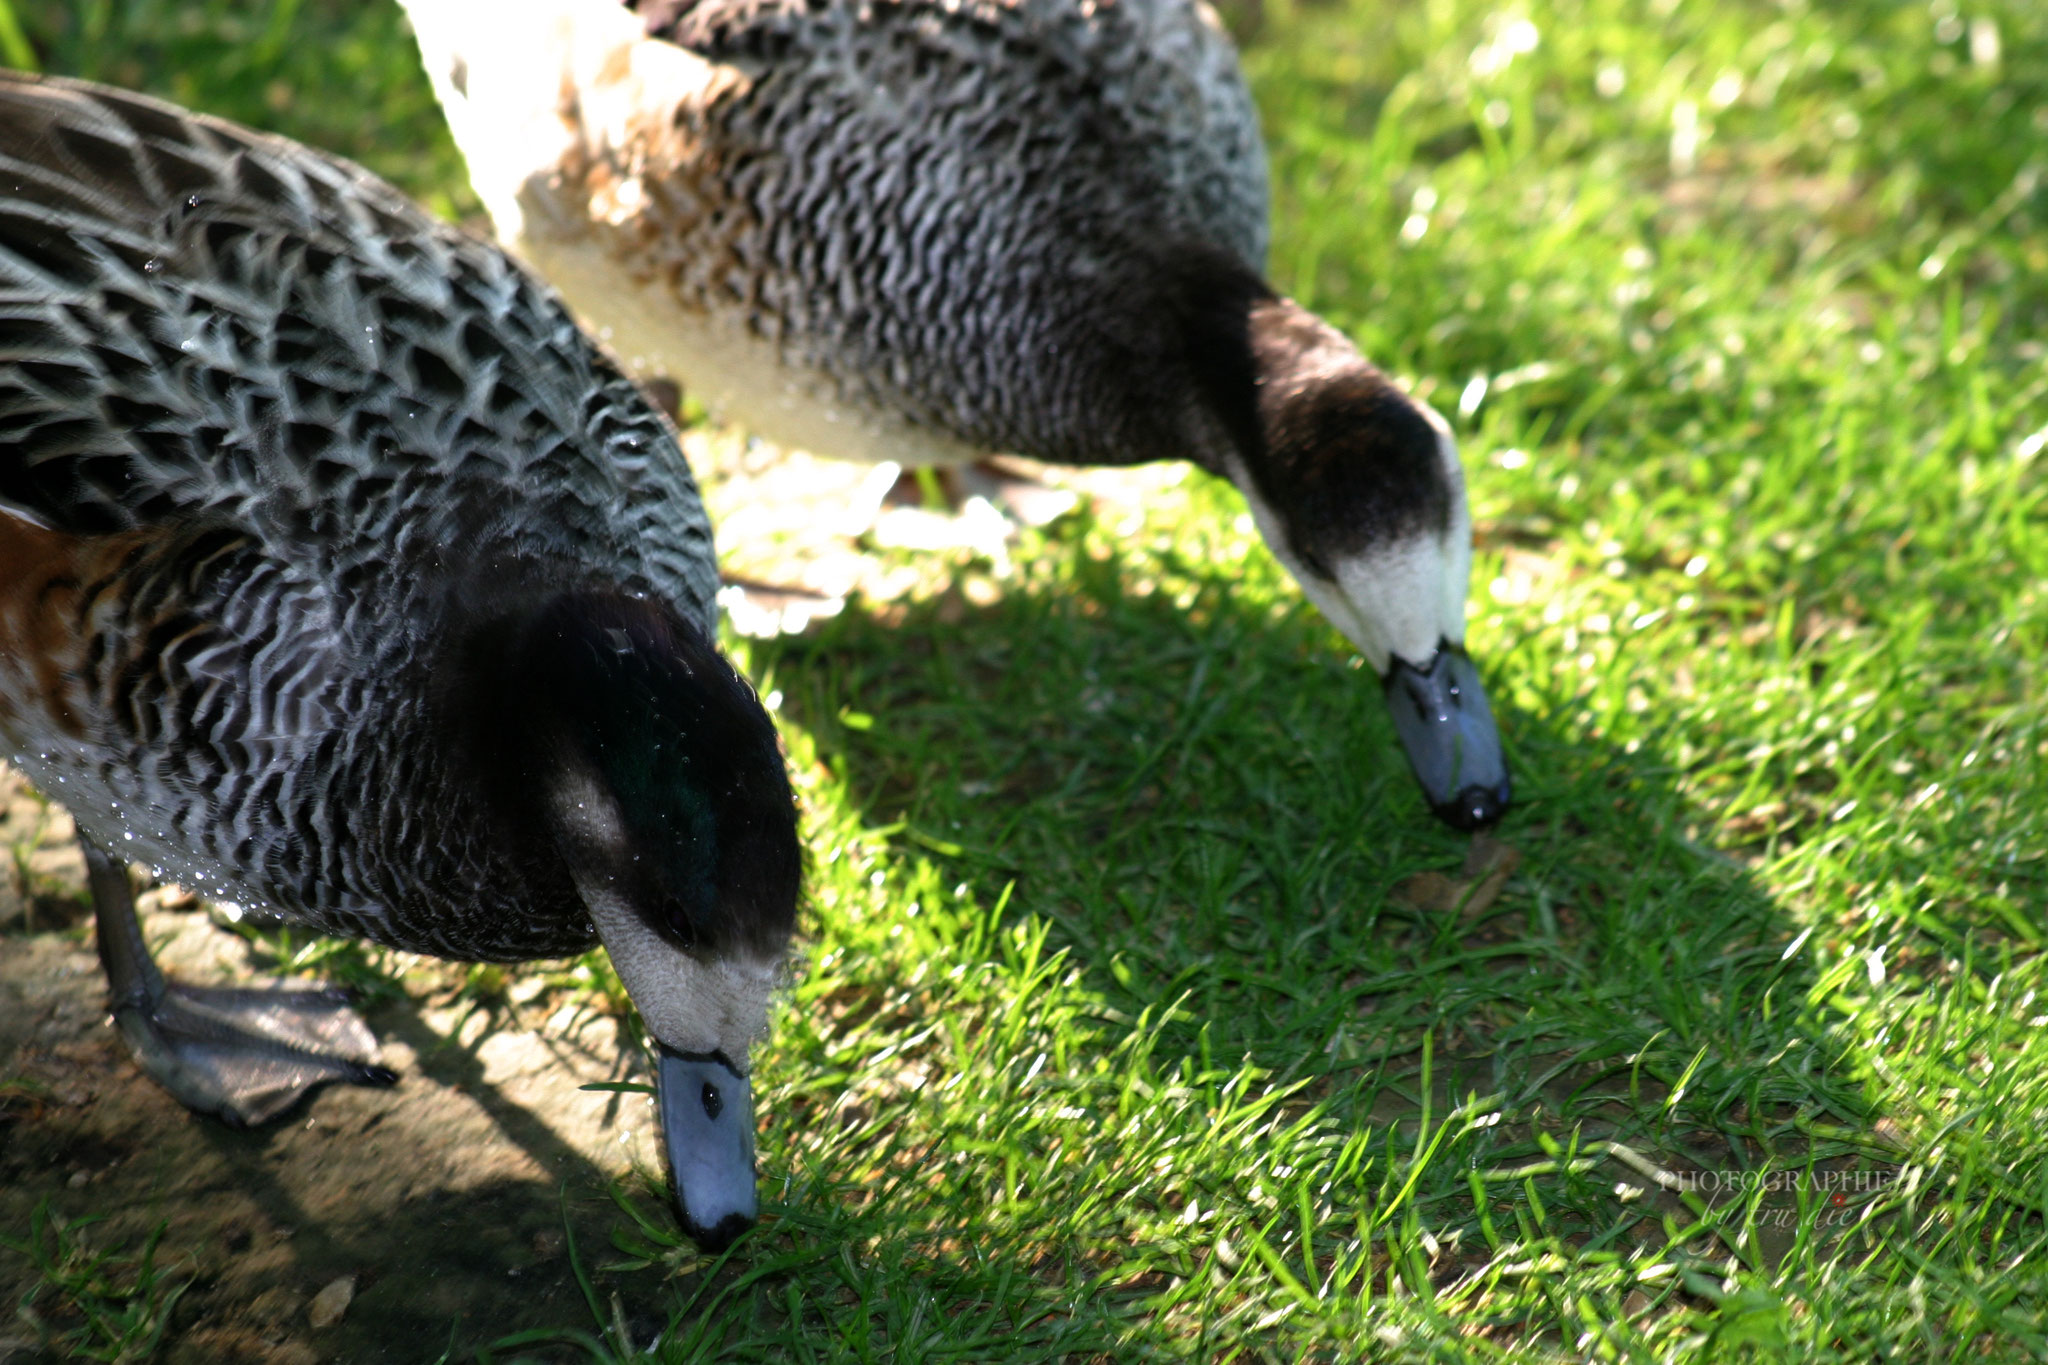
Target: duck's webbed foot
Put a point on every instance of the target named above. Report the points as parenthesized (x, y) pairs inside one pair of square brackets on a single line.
[(247, 1055), (948, 487), (243, 1054), (1030, 500)]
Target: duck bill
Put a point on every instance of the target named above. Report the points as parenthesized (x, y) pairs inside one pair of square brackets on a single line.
[(707, 1121), (1441, 714)]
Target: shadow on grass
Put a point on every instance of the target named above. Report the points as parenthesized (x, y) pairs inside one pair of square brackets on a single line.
[(1200, 803), (1205, 803)]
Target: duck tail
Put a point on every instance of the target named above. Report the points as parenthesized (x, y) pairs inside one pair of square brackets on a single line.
[(549, 101)]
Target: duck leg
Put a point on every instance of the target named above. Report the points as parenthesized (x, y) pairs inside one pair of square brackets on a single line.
[(1023, 497), (243, 1054)]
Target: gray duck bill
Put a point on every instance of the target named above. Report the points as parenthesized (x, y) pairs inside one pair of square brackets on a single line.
[(707, 1123), (1445, 724)]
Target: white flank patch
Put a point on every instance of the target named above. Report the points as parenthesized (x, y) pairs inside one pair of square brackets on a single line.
[(740, 376), (22, 514)]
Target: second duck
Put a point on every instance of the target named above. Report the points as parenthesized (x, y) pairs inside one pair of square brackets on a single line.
[(931, 230)]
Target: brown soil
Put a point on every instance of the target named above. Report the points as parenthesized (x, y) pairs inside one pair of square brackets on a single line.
[(443, 1196)]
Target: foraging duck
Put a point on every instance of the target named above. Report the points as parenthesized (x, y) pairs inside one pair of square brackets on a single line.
[(931, 230), (342, 576)]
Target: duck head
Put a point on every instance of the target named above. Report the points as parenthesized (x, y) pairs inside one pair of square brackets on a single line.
[(1357, 489), (662, 789)]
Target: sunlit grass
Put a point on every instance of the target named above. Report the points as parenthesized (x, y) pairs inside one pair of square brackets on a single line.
[(1115, 1037)]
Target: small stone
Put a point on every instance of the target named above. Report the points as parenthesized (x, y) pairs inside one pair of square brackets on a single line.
[(330, 1303)]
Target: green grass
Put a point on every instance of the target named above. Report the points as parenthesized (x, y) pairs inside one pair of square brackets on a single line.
[(111, 1306), (1115, 1038)]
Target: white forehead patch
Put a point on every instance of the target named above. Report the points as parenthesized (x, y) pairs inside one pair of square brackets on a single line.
[(1457, 540), (1394, 601)]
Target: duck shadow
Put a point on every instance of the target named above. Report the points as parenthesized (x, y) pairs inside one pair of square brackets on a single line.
[(449, 1202), (1206, 802)]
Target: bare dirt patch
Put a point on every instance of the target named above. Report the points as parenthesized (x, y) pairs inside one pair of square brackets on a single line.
[(442, 1197)]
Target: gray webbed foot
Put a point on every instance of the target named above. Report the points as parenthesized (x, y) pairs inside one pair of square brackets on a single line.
[(948, 487), (1025, 497), (248, 1054), (243, 1054)]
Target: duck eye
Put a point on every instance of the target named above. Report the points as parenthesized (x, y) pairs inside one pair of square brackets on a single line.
[(712, 1101)]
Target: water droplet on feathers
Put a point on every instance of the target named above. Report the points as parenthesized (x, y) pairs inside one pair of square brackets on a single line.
[(152, 266)]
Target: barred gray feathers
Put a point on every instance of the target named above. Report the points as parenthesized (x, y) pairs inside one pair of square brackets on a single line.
[(272, 430)]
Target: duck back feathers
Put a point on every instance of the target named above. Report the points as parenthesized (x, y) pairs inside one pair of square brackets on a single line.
[(203, 321), (276, 449), (925, 219), (1070, 109)]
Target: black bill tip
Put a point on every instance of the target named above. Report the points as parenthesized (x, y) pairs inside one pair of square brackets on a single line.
[(721, 1235), (1475, 807), (1446, 727)]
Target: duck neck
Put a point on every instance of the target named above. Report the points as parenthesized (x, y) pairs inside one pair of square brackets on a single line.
[(1213, 303), (1247, 354)]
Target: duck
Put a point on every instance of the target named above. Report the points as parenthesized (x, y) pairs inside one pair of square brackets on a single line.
[(343, 578), (932, 231)]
